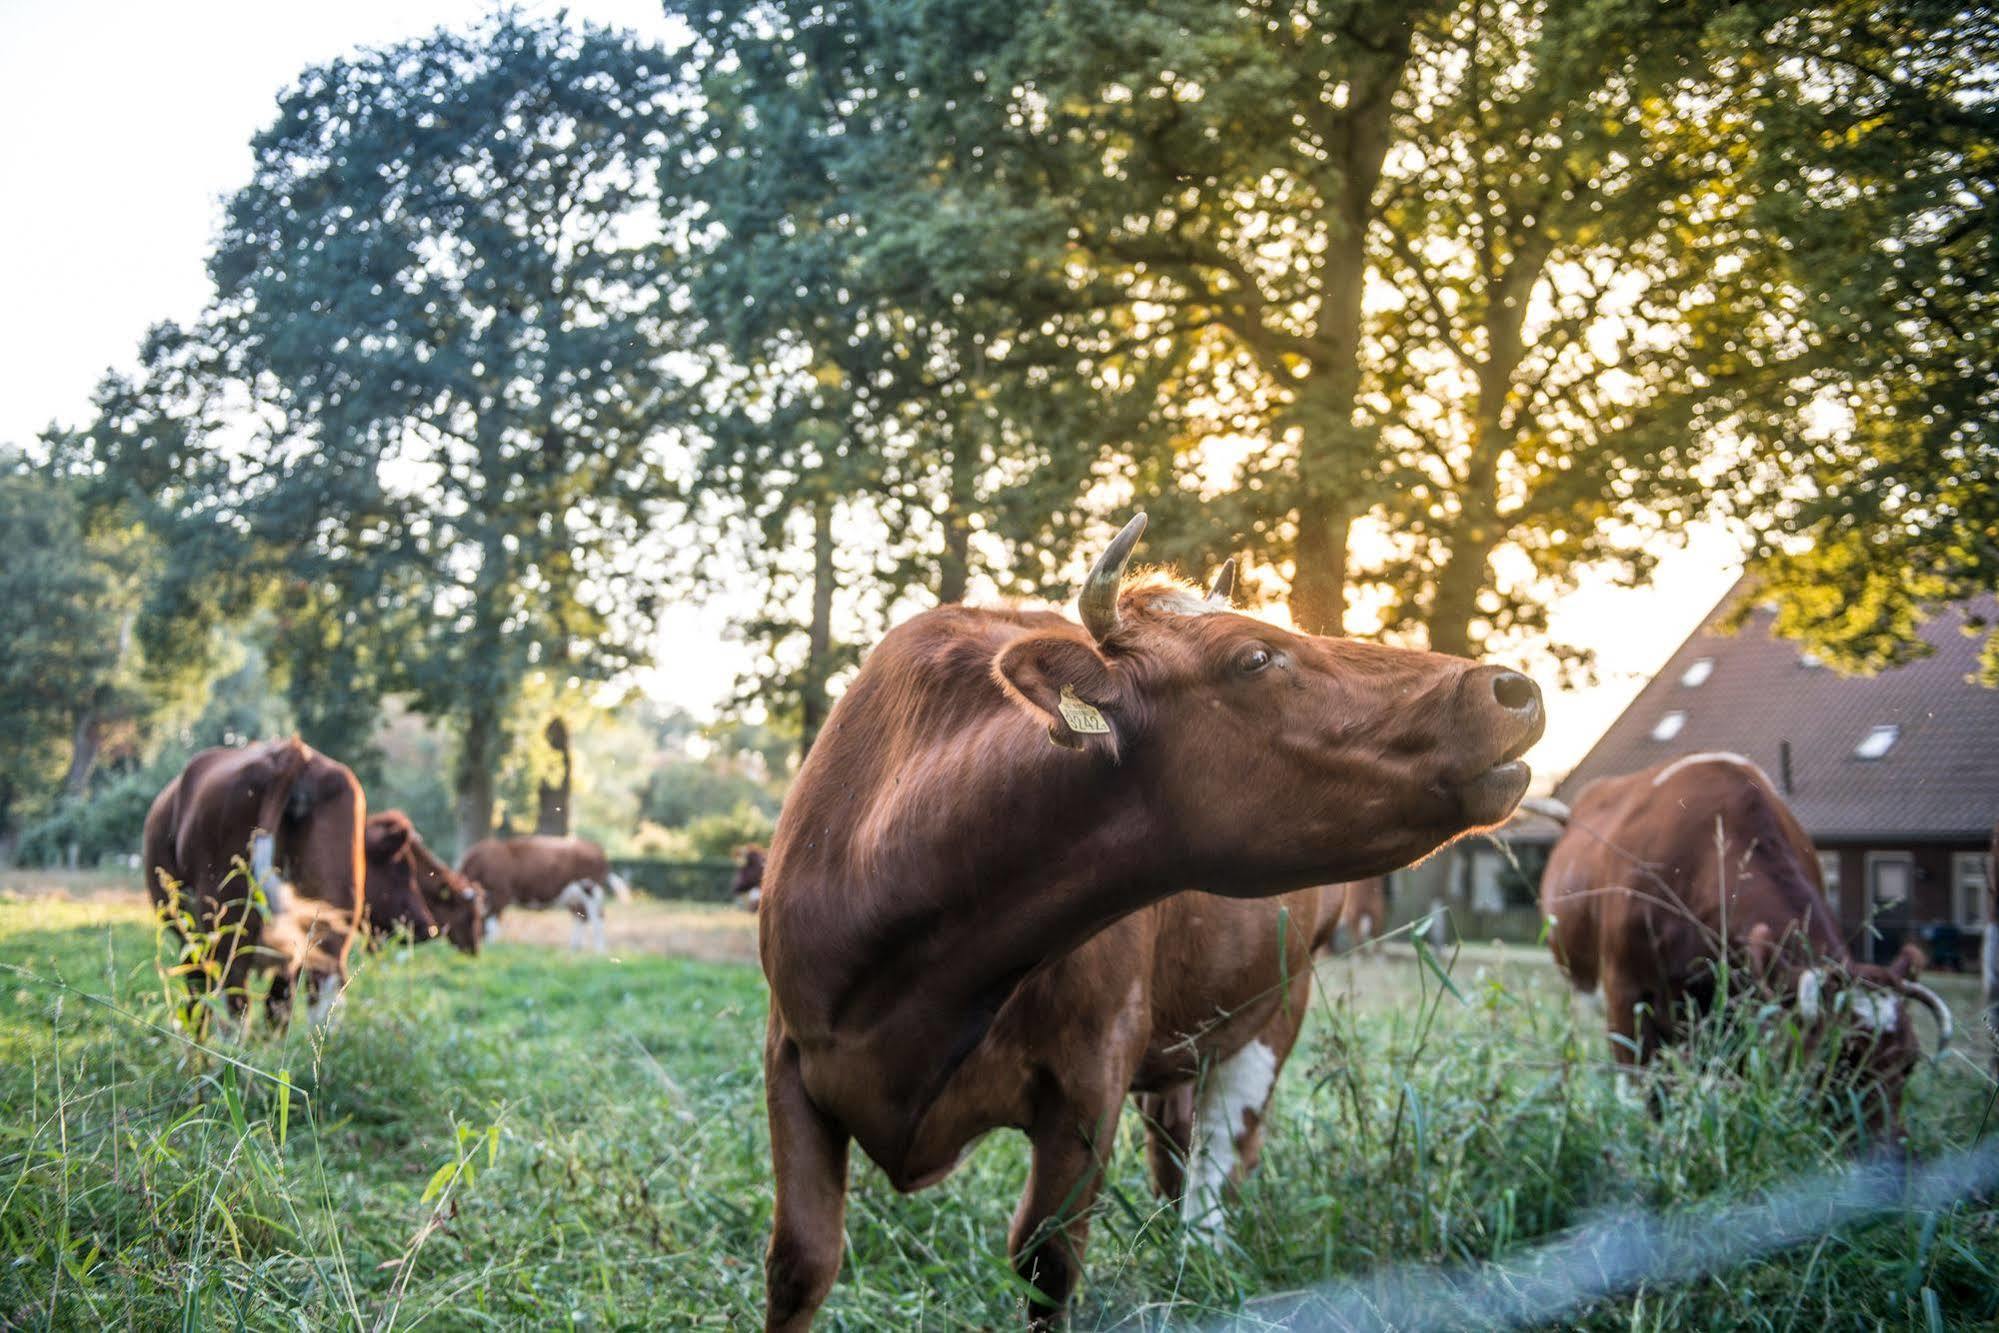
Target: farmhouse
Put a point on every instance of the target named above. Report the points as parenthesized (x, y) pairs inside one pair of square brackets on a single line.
[(1894, 776)]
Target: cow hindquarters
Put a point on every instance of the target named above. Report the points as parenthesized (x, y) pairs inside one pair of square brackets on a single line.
[(809, 1175), (1234, 1103)]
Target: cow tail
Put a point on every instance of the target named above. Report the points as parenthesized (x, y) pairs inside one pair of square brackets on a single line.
[(619, 888)]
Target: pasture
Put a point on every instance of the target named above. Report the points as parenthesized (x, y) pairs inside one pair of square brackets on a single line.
[(534, 1139)]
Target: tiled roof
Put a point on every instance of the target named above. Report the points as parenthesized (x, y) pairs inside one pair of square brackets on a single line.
[(1938, 780)]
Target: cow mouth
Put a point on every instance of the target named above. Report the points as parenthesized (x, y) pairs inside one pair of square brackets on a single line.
[(1490, 796)]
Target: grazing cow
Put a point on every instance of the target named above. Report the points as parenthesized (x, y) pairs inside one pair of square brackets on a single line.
[(749, 886), (1361, 908), (540, 872), (939, 859), (1660, 874), (297, 817), (410, 889)]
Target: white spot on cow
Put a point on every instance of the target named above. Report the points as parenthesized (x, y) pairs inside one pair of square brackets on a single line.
[(325, 994), (1810, 986), (1877, 1013), (1236, 1089), (1592, 999), (1711, 757), (585, 897), (263, 873), (492, 927)]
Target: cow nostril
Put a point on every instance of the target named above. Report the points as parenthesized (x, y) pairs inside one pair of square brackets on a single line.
[(1516, 693)]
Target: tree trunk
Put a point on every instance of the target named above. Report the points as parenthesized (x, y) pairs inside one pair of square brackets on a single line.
[(1458, 585), (478, 755), (954, 567), (812, 701), (85, 742), (1319, 584), (552, 798)]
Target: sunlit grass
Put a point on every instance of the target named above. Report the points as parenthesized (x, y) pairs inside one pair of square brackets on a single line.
[(534, 1138)]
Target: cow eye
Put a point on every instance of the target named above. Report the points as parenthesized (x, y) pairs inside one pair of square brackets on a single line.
[(1253, 660)]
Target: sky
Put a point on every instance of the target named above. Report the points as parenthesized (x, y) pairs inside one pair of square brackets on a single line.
[(128, 123)]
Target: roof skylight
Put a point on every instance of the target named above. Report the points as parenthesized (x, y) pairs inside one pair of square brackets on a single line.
[(1877, 742), (1697, 672), (1669, 725)]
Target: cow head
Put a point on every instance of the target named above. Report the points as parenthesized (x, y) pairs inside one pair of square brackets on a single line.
[(748, 885), (1270, 755), (1866, 1008), (410, 886)]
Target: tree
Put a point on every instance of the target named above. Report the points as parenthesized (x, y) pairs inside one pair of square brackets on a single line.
[(873, 433), (1498, 276), (1875, 154), (438, 338)]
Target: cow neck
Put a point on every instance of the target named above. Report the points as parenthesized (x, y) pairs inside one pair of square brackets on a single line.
[(934, 923)]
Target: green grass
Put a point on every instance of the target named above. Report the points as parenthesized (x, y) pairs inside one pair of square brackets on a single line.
[(532, 1140)]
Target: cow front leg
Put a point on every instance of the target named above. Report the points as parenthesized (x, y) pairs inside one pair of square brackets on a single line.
[(1051, 1228), (1230, 1110), (278, 1000), (1169, 1137), (808, 1154)]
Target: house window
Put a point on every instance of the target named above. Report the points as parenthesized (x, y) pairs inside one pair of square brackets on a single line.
[(1486, 894), (1669, 726), (1829, 876), (1891, 877), (1697, 672), (1809, 660), (1877, 742), (1968, 883)]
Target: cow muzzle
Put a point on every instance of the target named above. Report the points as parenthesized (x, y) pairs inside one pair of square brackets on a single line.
[(1506, 718)]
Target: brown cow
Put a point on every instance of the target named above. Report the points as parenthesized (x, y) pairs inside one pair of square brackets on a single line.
[(1633, 893), (938, 856), (1362, 909), (748, 887), (297, 817), (539, 872), (409, 889)]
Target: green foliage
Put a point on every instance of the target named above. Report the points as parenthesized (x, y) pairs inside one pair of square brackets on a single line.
[(716, 836), (439, 302), (628, 1181), (1875, 154)]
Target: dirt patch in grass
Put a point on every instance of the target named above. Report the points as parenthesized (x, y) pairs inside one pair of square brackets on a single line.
[(717, 933)]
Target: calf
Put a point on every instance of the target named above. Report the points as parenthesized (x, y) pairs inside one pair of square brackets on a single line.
[(275, 819), (748, 888), (540, 872), (999, 787), (1662, 874), (409, 889)]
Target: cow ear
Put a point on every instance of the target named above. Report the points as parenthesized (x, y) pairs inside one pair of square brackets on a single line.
[(1908, 964), (1062, 681)]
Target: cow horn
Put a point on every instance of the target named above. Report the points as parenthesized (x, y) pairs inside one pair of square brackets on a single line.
[(1097, 603), (1222, 591), (1811, 982), (1946, 1029)]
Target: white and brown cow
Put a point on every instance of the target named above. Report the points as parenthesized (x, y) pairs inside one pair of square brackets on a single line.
[(1660, 875), (539, 872), (999, 788), (277, 820)]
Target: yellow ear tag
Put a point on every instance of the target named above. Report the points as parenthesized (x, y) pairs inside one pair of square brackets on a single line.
[(1081, 716)]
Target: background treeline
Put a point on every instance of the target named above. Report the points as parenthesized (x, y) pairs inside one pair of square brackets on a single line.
[(523, 332)]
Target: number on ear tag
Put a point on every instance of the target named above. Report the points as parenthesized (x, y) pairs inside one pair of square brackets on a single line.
[(1080, 716)]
